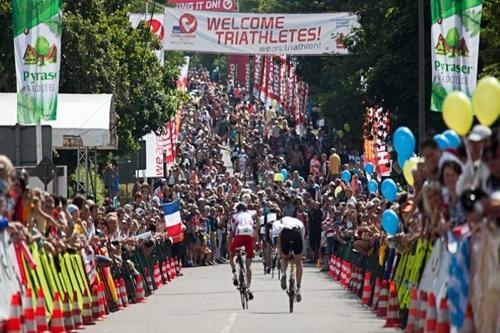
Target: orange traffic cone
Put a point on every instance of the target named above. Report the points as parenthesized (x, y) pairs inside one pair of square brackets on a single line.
[(468, 326), (76, 312), (172, 269), (367, 289), (349, 275), (29, 312), (165, 273), (101, 300), (87, 318), (123, 293), (57, 320), (335, 269), (139, 290), (149, 279), (13, 322), (413, 312), (169, 271), (431, 317), (96, 313), (359, 281), (376, 294), (40, 315), (157, 274), (69, 325), (422, 312), (443, 322), (354, 279), (392, 319), (382, 302), (119, 303)]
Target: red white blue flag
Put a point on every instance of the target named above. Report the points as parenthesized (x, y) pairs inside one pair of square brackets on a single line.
[(173, 221)]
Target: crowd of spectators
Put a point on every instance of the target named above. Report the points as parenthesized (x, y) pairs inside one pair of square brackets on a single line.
[(275, 164)]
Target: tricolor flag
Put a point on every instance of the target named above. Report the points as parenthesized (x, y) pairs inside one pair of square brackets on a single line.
[(173, 221)]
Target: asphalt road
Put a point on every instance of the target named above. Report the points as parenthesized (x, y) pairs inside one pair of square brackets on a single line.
[(204, 300)]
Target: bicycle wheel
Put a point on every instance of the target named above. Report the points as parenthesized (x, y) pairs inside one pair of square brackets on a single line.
[(291, 294), (243, 299)]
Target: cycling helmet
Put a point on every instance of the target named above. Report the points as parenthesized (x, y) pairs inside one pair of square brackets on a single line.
[(241, 207)]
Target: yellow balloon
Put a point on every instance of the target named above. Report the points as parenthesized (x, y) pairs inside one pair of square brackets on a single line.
[(486, 100), (408, 168), (337, 191), (457, 112), (278, 177)]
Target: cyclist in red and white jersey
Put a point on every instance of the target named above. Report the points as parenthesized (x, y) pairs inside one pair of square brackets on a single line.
[(242, 234)]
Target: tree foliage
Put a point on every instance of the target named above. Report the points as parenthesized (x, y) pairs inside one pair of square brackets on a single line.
[(102, 53), (382, 67)]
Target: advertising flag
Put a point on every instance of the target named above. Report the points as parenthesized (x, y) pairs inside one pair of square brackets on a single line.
[(239, 68), (454, 47), (37, 49), (250, 33)]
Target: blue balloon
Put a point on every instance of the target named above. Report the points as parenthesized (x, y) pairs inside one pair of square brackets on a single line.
[(404, 141), (402, 160), (369, 168), (284, 173), (453, 138), (346, 176), (372, 186), (390, 222), (441, 141), (389, 189)]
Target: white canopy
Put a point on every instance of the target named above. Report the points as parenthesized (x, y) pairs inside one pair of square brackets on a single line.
[(89, 117)]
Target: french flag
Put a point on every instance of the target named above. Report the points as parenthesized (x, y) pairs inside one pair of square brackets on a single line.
[(173, 221)]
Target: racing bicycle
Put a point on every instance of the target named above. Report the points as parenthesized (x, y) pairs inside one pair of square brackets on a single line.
[(292, 287), (242, 284)]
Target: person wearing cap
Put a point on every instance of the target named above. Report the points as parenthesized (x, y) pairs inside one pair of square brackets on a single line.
[(475, 173)]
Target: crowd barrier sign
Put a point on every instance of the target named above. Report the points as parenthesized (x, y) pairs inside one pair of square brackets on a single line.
[(395, 285), (59, 291)]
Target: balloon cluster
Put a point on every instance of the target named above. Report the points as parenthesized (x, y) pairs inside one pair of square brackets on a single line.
[(458, 109)]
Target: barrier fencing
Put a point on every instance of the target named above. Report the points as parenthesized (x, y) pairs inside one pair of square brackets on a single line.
[(388, 283), (71, 289)]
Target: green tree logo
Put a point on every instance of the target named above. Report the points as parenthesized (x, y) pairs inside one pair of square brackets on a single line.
[(42, 48)]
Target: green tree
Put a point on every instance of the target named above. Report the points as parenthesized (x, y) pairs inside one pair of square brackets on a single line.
[(42, 48), (102, 53)]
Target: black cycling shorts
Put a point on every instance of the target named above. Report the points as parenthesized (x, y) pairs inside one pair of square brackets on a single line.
[(291, 239)]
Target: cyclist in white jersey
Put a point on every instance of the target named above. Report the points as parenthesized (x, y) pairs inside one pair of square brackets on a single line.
[(291, 235), (242, 234)]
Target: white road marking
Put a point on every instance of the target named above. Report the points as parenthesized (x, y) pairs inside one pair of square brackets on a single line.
[(229, 323)]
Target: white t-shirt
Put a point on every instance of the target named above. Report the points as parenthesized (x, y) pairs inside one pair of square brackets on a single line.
[(288, 222), (242, 224)]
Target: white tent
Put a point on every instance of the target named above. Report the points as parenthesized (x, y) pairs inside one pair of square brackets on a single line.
[(89, 117)]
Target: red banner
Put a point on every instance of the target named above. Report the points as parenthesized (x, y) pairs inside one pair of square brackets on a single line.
[(206, 5), (238, 66)]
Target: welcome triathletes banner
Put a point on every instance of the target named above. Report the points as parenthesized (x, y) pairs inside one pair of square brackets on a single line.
[(37, 49), (455, 47), (248, 33)]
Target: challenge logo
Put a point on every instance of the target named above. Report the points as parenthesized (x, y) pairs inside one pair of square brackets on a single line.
[(156, 28), (228, 4), (187, 24)]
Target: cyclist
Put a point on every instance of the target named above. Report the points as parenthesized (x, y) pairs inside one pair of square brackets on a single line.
[(242, 235), (291, 238)]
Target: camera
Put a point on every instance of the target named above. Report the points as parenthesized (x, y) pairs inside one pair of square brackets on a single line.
[(469, 198)]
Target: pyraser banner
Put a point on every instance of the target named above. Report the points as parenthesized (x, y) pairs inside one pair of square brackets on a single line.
[(248, 33), (455, 47), (206, 5), (37, 47)]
